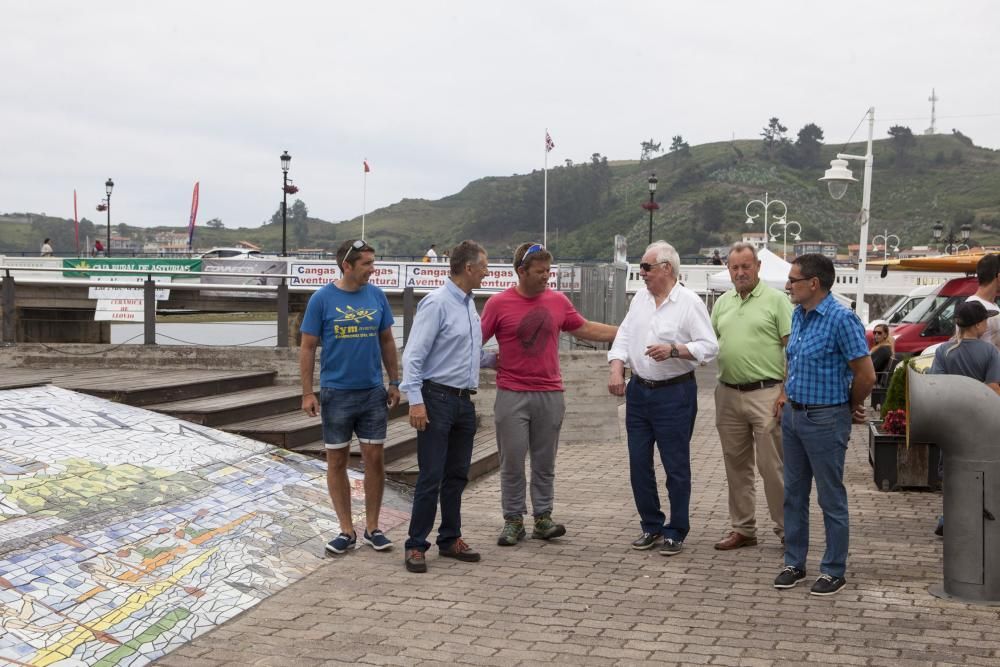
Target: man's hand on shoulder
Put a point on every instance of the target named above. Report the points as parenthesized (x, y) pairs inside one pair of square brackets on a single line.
[(310, 405), (418, 417)]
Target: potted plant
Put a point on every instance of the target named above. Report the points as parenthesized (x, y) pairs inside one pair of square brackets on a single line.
[(896, 462)]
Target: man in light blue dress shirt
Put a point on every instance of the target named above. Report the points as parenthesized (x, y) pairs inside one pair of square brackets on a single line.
[(440, 373)]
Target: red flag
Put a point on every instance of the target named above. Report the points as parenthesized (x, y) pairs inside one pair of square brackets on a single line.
[(367, 168), (76, 224), (194, 214), (549, 144)]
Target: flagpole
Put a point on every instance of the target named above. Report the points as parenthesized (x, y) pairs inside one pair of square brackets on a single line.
[(364, 196), (545, 194)]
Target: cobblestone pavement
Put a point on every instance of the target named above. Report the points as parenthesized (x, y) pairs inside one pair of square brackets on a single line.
[(589, 599)]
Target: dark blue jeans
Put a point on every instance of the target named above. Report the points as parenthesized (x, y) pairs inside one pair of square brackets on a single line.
[(444, 451), (664, 415), (815, 444)]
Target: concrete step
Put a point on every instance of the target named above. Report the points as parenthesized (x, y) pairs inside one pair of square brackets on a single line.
[(154, 386), (235, 406), (288, 429), (485, 459)]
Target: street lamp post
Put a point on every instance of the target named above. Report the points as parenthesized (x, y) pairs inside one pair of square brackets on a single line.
[(767, 204), (886, 238), (950, 248), (651, 205), (784, 234), (286, 161), (109, 185), (837, 178)]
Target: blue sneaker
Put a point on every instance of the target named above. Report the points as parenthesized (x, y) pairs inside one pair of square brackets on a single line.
[(341, 543), (377, 540)]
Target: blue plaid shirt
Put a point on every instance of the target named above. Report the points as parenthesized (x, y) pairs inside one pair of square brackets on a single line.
[(822, 341)]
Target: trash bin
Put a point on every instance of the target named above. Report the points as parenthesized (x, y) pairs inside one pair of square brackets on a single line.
[(962, 416)]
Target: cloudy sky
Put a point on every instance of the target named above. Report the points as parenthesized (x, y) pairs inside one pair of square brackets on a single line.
[(435, 94)]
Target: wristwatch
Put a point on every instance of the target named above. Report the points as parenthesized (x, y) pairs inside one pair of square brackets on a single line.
[(394, 383), (674, 352)]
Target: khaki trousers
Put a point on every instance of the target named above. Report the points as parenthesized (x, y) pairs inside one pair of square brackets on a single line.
[(748, 429)]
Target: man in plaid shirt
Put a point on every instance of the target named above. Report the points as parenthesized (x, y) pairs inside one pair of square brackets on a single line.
[(829, 376)]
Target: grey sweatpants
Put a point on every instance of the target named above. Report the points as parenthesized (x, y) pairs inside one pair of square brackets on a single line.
[(528, 422)]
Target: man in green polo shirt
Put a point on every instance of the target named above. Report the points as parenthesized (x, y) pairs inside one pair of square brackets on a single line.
[(752, 323)]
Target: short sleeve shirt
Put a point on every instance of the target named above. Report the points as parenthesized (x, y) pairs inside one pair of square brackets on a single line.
[(348, 325), (821, 344), (527, 332), (750, 332), (974, 358)]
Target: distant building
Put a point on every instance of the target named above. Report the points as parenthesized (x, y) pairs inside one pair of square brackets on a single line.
[(123, 245), (758, 239), (167, 243), (853, 250), (822, 247), (918, 251)]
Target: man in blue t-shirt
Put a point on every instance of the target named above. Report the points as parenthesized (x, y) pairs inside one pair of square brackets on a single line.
[(354, 322), (828, 376)]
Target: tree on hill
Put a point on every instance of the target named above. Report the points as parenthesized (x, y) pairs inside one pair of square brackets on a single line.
[(902, 141), (649, 148), (774, 136), (215, 223), (679, 146), (808, 145)]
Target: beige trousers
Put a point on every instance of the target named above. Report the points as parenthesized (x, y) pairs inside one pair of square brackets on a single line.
[(748, 429)]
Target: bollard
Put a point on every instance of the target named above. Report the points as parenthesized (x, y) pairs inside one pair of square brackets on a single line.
[(9, 310), (962, 416), (149, 311)]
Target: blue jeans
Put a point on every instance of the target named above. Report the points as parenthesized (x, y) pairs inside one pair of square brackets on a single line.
[(349, 411), (664, 415), (815, 443), (444, 451)]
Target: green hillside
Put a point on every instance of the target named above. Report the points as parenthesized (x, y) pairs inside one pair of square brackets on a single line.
[(702, 196)]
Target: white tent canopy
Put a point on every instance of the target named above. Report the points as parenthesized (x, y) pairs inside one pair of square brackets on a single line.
[(773, 271)]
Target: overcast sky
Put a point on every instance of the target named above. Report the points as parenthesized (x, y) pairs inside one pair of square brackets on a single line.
[(435, 94)]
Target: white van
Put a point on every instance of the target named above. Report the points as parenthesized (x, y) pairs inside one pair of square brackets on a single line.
[(895, 313)]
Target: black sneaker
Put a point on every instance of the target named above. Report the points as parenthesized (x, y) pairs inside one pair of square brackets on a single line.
[(341, 543), (671, 547), (646, 541), (789, 577), (827, 585)]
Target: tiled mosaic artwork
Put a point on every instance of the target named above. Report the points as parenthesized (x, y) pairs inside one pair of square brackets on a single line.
[(125, 533)]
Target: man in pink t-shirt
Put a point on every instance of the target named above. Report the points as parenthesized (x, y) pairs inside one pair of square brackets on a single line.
[(526, 320)]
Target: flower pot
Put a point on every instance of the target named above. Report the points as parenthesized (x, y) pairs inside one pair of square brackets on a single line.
[(897, 466)]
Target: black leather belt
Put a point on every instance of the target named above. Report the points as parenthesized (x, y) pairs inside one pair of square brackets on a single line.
[(451, 390), (655, 384), (753, 386), (804, 406)]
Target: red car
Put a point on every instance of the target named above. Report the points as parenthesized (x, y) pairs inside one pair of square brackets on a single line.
[(930, 322)]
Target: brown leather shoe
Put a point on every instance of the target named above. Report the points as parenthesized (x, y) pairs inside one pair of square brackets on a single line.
[(734, 541), (415, 561), (461, 551)]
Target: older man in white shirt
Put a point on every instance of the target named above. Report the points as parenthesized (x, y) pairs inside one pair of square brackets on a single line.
[(665, 335)]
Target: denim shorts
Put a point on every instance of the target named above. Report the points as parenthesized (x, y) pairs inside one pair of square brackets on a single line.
[(349, 411)]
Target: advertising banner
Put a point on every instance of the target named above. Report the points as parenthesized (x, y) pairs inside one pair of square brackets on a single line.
[(78, 267), (221, 267), (316, 274)]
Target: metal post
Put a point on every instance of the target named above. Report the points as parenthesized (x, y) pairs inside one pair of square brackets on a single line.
[(283, 314), (284, 216), (9, 311), (149, 311), (409, 310), (866, 198)]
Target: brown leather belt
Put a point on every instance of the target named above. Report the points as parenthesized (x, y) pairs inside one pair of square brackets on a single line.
[(656, 384), (753, 386)]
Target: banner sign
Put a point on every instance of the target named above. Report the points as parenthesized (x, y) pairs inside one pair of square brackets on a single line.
[(78, 267), (386, 274), (120, 310), (224, 266), (432, 276), (128, 293)]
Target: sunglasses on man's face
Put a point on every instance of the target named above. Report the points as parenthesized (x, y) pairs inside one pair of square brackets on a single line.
[(647, 267), (792, 281)]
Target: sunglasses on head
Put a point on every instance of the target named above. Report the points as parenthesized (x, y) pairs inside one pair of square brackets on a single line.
[(357, 245), (537, 247), (647, 267)]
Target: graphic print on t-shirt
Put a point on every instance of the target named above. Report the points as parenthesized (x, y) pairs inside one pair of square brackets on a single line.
[(532, 330), (355, 322)]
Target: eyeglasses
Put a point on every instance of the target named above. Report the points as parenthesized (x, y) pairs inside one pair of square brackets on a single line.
[(792, 281), (538, 247), (647, 267), (357, 245)]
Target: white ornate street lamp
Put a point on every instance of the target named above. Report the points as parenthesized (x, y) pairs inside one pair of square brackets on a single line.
[(797, 229), (837, 178), (887, 239), (766, 204)]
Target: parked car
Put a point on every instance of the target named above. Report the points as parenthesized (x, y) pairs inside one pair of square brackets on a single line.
[(230, 253), (930, 322)]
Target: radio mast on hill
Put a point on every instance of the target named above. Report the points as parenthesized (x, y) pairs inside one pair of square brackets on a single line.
[(933, 100)]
